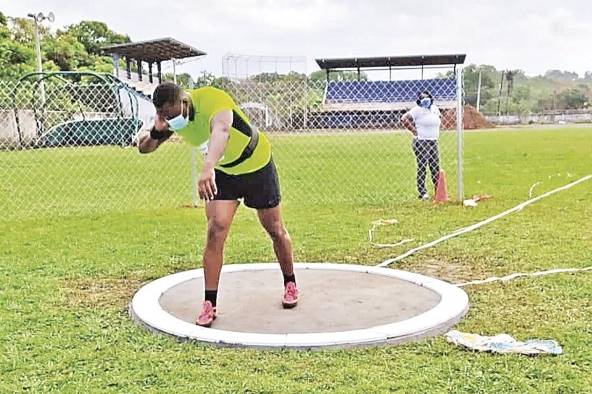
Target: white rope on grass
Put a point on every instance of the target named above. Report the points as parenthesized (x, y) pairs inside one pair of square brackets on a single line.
[(520, 274), (384, 222), (482, 223), (532, 188), (538, 183)]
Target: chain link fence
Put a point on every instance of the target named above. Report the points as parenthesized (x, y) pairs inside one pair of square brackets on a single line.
[(67, 143), (66, 147), (343, 141)]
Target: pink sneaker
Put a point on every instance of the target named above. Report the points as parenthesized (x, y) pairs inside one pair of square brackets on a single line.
[(207, 315), (290, 295)]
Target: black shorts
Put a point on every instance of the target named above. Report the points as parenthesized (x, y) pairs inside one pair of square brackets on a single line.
[(259, 189)]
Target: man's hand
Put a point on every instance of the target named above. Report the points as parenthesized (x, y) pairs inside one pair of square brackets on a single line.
[(206, 185), (146, 143), (160, 124)]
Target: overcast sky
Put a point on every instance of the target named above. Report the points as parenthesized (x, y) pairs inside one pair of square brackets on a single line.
[(532, 35)]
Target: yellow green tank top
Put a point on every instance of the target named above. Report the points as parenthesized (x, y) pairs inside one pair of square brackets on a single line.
[(207, 102)]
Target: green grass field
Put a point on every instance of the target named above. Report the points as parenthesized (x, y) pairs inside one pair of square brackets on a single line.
[(66, 281)]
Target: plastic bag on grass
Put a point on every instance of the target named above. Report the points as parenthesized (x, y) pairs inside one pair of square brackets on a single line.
[(503, 343)]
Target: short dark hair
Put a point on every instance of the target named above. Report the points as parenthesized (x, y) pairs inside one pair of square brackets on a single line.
[(424, 93), (166, 93)]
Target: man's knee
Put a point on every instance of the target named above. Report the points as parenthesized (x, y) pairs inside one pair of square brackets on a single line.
[(217, 229), (277, 231)]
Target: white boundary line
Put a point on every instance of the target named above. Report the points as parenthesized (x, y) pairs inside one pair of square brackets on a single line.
[(482, 223), (453, 304)]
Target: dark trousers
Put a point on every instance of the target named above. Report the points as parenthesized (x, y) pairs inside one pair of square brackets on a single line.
[(426, 153)]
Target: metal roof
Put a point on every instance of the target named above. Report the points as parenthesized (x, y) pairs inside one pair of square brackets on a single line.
[(391, 61), (154, 50)]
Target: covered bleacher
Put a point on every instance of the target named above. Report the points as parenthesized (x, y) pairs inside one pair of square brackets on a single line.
[(386, 95), (152, 52), (379, 104)]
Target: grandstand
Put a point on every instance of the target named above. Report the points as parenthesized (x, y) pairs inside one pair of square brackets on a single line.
[(150, 52), (386, 95), (379, 104)]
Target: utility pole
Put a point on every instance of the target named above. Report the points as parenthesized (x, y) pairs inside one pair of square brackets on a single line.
[(510, 80), (499, 95), (479, 90), (174, 70), (38, 19)]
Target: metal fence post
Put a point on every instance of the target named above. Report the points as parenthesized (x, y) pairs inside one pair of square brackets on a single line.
[(194, 198), (459, 131)]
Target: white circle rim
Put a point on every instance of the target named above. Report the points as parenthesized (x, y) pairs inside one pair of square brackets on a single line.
[(146, 309)]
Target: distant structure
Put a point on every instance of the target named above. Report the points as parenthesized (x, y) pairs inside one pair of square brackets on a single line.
[(238, 67), (150, 52)]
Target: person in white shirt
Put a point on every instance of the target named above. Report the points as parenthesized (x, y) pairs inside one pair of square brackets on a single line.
[(423, 121)]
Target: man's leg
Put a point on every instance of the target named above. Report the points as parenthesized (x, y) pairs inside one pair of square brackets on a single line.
[(271, 220), (219, 214)]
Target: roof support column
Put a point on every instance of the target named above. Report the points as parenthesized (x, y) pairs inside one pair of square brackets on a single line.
[(139, 62), (128, 67), (115, 59), (150, 72)]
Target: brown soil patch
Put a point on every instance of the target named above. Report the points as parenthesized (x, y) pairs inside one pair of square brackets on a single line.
[(99, 292), (444, 270)]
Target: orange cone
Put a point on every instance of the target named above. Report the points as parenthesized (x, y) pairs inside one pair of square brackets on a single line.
[(441, 194)]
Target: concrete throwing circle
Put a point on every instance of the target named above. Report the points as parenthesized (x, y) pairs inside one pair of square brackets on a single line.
[(340, 305)]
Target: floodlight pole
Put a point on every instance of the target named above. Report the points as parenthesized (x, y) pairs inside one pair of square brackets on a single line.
[(38, 19), (479, 90), (174, 70), (459, 132)]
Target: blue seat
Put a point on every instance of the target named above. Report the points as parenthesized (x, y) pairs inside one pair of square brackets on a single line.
[(377, 104), (388, 91)]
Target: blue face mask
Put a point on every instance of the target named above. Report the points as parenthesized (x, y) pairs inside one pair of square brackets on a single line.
[(425, 102), (178, 122)]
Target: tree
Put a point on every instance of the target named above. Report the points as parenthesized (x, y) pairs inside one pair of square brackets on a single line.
[(66, 52), (471, 84), (558, 75), (15, 59), (209, 79), (23, 30), (76, 48), (184, 80), (574, 98), (95, 35)]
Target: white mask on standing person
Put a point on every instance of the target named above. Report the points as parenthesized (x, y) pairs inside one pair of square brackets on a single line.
[(425, 102)]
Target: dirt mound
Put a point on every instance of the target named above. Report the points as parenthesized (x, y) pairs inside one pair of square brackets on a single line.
[(473, 119)]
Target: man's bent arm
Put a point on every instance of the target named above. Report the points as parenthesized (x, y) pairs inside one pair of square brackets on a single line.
[(219, 136), (151, 139)]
